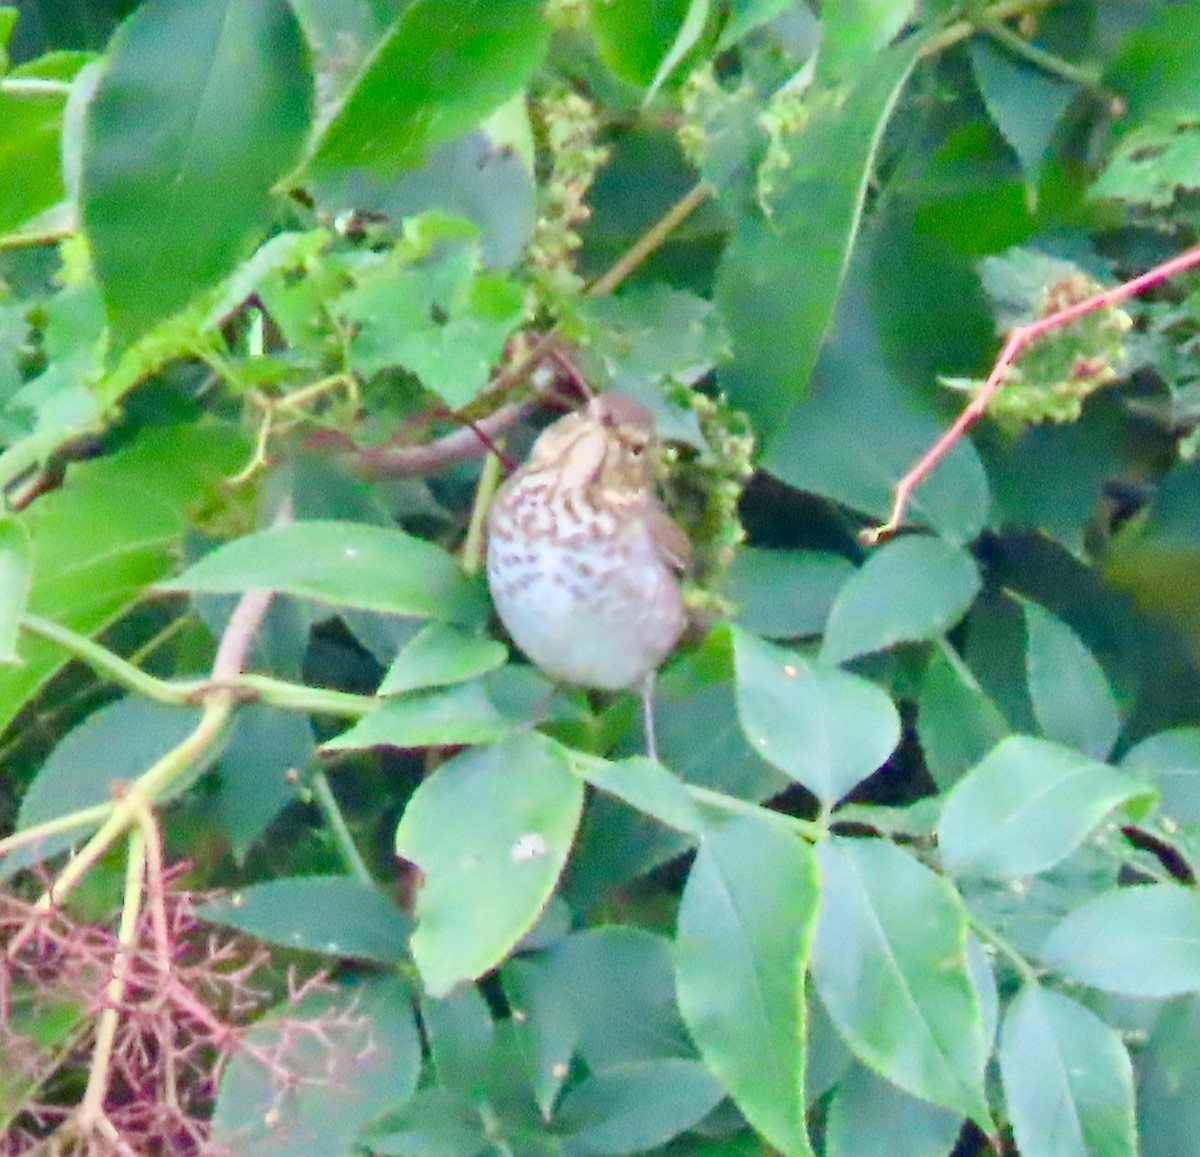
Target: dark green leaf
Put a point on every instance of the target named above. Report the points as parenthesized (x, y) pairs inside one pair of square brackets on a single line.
[(1138, 941), (365, 1061), (1168, 1092), (443, 66), (824, 728), (347, 564), (615, 988), (1072, 699), (171, 201), (435, 1123), (747, 15), (439, 655), (462, 1039), (910, 589), (16, 564), (1025, 102), (636, 1107), (745, 924), (784, 594), (1068, 1083), (491, 831), (115, 744), (1156, 557), (957, 722), (1027, 805), (869, 1117), (827, 449), (780, 276), (889, 965), (543, 1022), (333, 915), (258, 771)]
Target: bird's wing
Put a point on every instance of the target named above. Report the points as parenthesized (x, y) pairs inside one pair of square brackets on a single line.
[(671, 544)]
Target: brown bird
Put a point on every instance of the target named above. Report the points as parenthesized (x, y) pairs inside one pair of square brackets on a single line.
[(583, 562)]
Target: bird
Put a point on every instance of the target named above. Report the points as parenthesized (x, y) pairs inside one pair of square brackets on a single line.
[(583, 562)]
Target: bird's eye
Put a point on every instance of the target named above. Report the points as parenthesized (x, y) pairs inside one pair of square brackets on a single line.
[(636, 446)]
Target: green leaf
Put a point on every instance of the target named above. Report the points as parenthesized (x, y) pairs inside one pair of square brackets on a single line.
[(114, 744), (1025, 103), (745, 925), (443, 66), (780, 276), (112, 529), (1172, 760), (747, 15), (333, 915), (957, 722), (1156, 556), (1068, 1083), (852, 34), (645, 785), (462, 1039), (439, 655), (442, 320), (544, 1025), (30, 179), (697, 694), (1152, 165), (1026, 806), (435, 1123), (636, 1107), (491, 831), (827, 449), (912, 588), (825, 728), (1154, 68), (369, 1062), (1168, 1092), (647, 335), (870, 1117), (1072, 699), (16, 565), (784, 594), (685, 40), (889, 965), (257, 771), (171, 201), (1137, 941), (633, 37), (347, 564), (439, 718), (613, 988)]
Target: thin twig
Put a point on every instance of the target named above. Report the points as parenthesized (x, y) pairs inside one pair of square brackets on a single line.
[(465, 445), (342, 835), (651, 240), (473, 548), (1018, 339), (91, 1108)]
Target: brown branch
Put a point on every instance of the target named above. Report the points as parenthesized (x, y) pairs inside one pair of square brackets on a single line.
[(465, 445), (1018, 339)]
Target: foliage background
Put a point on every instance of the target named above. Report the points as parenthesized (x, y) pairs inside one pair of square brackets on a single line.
[(916, 874)]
